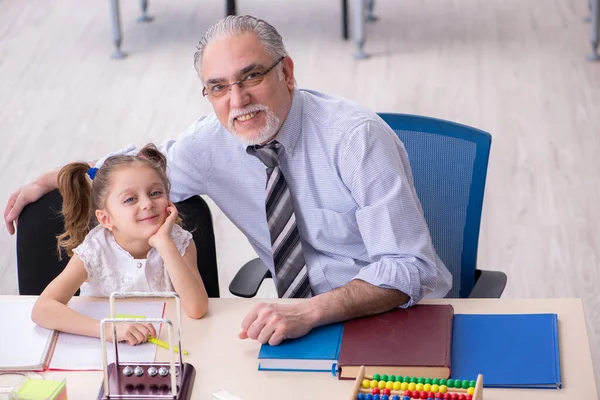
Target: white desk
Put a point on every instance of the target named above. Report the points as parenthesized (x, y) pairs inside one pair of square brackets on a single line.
[(224, 362)]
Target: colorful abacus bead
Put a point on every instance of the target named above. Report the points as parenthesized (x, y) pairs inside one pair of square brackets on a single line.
[(366, 384), (375, 390)]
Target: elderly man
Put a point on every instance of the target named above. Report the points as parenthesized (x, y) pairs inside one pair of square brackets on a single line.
[(321, 188)]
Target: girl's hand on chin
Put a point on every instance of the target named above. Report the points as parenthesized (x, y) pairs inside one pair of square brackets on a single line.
[(163, 235)]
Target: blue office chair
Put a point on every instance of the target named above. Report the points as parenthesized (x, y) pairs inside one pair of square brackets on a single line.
[(449, 165)]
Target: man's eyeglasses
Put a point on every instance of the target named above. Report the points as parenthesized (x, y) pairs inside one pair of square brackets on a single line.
[(253, 78)]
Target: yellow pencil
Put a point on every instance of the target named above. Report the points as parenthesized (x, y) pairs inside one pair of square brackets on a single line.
[(164, 345)]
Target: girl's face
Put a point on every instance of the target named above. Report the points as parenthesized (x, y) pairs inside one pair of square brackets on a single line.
[(136, 203)]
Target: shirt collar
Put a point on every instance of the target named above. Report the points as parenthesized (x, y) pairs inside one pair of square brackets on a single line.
[(290, 130)]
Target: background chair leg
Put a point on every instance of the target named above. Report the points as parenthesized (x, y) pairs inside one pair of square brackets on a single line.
[(595, 30), (231, 7), (144, 17), (370, 16), (115, 19), (589, 16), (345, 19), (359, 29)]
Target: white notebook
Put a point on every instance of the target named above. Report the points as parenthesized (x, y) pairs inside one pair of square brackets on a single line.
[(43, 349), (24, 346)]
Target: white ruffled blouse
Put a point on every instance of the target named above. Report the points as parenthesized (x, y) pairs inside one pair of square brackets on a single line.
[(111, 268)]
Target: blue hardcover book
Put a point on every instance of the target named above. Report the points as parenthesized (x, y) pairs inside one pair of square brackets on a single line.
[(315, 352), (510, 350)]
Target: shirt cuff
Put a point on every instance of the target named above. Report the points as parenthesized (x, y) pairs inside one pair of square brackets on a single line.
[(391, 274)]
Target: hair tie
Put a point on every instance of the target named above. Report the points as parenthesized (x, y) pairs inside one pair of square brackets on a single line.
[(92, 172)]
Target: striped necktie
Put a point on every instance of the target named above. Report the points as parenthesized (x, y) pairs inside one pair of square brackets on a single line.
[(291, 274)]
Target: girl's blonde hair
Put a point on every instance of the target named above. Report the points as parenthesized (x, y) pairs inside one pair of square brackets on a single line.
[(82, 196)]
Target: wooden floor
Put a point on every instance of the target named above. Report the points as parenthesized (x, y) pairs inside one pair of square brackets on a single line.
[(515, 68)]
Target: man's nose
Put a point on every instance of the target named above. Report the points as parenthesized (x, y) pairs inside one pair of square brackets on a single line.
[(239, 98)]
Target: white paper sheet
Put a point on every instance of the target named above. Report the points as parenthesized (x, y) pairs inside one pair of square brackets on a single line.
[(74, 352)]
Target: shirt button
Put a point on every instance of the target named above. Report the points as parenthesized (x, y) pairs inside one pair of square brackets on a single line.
[(139, 265), (289, 150)]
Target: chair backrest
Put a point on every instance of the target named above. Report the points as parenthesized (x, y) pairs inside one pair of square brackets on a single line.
[(449, 165), (40, 222)]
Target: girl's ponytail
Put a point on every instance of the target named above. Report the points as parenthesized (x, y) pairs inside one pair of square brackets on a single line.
[(76, 192)]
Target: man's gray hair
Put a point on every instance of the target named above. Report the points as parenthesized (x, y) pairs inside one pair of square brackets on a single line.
[(239, 24)]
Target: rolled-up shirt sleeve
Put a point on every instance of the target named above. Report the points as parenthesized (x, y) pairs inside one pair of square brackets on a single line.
[(376, 169)]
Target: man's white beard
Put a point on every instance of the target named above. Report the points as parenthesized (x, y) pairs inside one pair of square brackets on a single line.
[(262, 135)]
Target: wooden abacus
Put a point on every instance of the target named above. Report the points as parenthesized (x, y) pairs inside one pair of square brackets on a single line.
[(391, 388)]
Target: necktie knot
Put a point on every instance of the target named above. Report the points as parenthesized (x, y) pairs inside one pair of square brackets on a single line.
[(267, 153)]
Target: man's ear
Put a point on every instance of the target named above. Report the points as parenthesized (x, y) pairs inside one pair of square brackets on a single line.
[(288, 73), (104, 219)]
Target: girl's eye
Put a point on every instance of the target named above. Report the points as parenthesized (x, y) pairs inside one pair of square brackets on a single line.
[(156, 193), (129, 200)]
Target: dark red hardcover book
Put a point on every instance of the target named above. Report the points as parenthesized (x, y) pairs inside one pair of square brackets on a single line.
[(414, 341)]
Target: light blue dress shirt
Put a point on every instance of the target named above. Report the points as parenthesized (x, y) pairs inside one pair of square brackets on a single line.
[(351, 185)]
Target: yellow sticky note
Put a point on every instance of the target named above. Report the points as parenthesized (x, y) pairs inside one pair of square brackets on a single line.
[(130, 316), (41, 389)]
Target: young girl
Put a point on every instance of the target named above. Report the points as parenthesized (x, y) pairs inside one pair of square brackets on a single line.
[(137, 244)]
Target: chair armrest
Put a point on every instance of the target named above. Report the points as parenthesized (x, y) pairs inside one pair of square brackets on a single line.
[(488, 284), (248, 279)]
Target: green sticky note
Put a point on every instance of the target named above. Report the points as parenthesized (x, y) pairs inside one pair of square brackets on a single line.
[(130, 316), (41, 389)]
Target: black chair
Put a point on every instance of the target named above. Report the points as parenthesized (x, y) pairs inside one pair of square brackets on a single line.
[(40, 222)]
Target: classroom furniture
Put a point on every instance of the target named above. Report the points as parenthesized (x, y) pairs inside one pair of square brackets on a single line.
[(40, 222), (115, 19), (359, 19), (595, 29), (449, 164), (225, 362)]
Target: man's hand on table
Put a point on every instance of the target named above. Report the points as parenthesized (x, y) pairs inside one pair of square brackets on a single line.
[(272, 323)]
